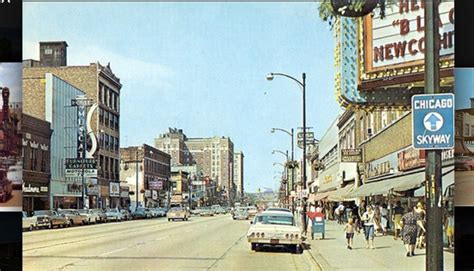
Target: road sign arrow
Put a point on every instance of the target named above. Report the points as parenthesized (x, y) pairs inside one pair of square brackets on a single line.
[(433, 120)]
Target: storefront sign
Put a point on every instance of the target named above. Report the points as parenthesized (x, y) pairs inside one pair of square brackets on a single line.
[(74, 187), (395, 45), (124, 194), (92, 187), (399, 37), (380, 169), (154, 194), (351, 155), (155, 184), (80, 163), (34, 188), (410, 159), (114, 189)]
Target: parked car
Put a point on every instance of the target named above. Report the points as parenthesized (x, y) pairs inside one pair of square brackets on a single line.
[(178, 213), (240, 213), (50, 219), (220, 210), (139, 213), (86, 216), (113, 214), (154, 212), (102, 217), (6, 187), (275, 228), (29, 222), (161, 212), (278, 209), (464, 163), (252, 211), (73, 216), (195, 211), (126, 214), (206, 211), (15, 175)]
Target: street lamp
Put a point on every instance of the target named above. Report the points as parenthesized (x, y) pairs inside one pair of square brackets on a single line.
[(303, 85)]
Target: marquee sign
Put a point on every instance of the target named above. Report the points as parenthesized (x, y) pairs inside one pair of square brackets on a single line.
[(394, 46)]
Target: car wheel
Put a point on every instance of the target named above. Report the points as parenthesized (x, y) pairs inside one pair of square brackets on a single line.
[(50, 226), (253, 246), (469, 168), (30, 228)]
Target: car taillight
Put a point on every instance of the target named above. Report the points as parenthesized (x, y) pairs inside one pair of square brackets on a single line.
[(296, 236), (287, 236), (252, 234), (258, 234), (263, 235), (291, 236)]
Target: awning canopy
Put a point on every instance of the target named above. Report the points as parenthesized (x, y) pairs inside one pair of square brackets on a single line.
[(447, 181), (416, 180), (323, 195), (340, 194), (371, 189)]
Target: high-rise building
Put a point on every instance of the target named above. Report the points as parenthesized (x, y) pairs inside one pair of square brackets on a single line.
[(239, 173), (214, 155), (98, 83)]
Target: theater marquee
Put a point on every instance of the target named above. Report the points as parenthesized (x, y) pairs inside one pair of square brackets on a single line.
[(394, 47)]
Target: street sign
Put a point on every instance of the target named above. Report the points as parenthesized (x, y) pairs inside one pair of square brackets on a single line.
[(309, 135), (433, 121)]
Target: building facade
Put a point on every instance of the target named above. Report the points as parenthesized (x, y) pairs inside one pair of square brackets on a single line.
[(149, 167), (99, 83), (36, 152), (239, 174), (214, 155)]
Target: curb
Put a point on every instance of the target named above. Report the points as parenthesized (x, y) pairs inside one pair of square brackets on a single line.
[(310, 258), (317, 259)]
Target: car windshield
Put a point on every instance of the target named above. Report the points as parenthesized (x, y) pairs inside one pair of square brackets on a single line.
[(275, 219), (42, 213), (176, 209)]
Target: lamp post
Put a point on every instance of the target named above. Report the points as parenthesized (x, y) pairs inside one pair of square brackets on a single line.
[(303, 85), (292, 159), (284, 180), (136, 177)]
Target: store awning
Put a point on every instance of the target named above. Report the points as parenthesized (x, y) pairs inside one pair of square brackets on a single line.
[(371, 189), (447, 180), (408, 182), (340, 194), (323, 195)]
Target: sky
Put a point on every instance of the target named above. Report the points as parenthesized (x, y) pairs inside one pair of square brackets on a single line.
[(10, 76), (201, 67)]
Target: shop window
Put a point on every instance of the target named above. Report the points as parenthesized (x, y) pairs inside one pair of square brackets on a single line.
[(467, 130)]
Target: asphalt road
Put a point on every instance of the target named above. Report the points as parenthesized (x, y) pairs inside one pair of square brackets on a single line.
[(464, 188), (202, 243)]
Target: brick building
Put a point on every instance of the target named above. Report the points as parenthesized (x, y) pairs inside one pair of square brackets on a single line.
[(98, 83), (36, 152), (153, 175), (214, 155)]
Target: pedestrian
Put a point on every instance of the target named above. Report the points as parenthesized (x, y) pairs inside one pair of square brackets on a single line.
[(396, 218), (340, 212), (410, 222), (349, 228), (369, 221), (421, 230), (355, 217), (449, 226), (384, 218), (362, 209), (377, 219)]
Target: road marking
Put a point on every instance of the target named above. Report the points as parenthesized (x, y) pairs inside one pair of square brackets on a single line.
[(113, 251)]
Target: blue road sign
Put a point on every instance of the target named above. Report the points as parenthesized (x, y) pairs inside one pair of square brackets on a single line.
[(433, 121)]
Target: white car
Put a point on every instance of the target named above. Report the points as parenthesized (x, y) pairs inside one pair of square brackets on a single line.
[(29, 222), (275, 228)]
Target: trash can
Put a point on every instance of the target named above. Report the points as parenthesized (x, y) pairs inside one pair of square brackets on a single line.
[(318, 225)]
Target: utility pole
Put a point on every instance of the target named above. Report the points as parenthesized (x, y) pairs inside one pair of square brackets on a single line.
[(434, 235)]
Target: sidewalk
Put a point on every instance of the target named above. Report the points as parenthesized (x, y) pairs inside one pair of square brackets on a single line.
[(389, 254)]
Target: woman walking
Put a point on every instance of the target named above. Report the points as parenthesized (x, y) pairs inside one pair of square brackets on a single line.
[(410, 221), (396, 218), (384, 218), (369, 221)]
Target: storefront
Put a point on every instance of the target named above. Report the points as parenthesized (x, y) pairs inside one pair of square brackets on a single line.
[(35, 197)]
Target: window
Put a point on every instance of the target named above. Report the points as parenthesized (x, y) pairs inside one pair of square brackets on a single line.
[(110, 98), (101, 115), (34, 158), (48, 51), (467, 130), (384, 119), (106, 118)]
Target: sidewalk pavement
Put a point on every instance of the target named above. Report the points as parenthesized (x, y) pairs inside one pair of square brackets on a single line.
[(331, 253)]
